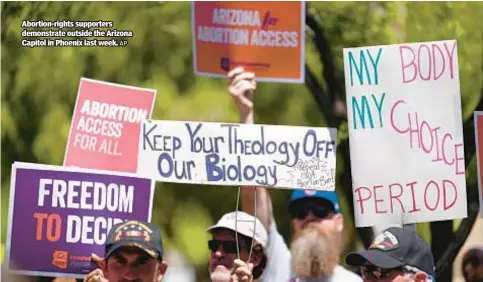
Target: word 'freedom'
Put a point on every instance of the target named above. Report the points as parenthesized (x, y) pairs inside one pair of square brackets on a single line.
[(216, 150)]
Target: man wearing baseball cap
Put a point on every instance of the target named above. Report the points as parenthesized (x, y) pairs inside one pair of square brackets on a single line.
[(133, 252), (237, 234), (396, 254), (316, 219)]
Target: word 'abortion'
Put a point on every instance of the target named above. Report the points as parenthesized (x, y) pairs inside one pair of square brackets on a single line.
[(259, 36), (107, 119), (228, 141)]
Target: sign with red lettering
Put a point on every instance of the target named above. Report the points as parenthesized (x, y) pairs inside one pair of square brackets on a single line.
[(478, 116), (105, 127), (405, 132)]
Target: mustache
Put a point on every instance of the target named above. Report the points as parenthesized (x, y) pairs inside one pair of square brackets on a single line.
[(222, 261), (129, 280)]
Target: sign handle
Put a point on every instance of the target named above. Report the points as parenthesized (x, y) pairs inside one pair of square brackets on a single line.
[(254, 224)]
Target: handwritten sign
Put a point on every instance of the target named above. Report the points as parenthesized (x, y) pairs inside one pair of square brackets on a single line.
[(478, 117), (238, 154), (105, 125), (62, 215), (405, 130), (254, 35)]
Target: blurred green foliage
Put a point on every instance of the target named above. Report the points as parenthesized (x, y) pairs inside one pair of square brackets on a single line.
[(39, 87)]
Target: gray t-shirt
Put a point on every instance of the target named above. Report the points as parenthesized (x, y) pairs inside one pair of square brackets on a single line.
[(279, 267)]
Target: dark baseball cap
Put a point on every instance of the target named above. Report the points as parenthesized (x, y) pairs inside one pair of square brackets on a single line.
[(329, 196), (396, 247), (134, 233)]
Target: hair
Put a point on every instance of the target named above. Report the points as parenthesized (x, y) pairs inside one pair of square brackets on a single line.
[(474, 257)]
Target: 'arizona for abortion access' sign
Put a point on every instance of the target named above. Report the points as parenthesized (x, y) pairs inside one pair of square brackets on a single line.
[(405, 132), (238, 154), (62, 216)]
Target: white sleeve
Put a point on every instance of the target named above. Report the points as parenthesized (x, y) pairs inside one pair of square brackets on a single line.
[(278, 268)]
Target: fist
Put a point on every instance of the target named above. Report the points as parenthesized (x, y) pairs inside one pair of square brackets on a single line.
[(241, 85), (242, 271), (97, 275)]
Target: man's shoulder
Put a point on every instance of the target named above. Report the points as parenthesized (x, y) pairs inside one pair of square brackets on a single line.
[(343, 274)]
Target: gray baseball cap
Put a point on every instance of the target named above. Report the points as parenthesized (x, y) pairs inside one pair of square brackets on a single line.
[(246, 224)]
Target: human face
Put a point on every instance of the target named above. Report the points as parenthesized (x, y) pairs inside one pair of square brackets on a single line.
[(131, 264), (319, 211), (223, 253), (371, 273)]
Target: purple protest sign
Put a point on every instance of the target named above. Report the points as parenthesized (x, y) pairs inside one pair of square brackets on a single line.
[(59, 216)]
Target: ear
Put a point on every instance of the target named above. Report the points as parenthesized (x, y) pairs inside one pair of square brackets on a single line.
[(103, 266), (256, 259), (162, 268), (339, 222), (420, 276)]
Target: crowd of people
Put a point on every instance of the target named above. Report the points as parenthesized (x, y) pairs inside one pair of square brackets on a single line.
[(246, 245)]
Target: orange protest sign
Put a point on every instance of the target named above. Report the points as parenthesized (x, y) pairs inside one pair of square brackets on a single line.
[(478, 118), (266, 38)]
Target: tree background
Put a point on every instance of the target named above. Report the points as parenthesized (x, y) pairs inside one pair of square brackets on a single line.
[(39, 87)]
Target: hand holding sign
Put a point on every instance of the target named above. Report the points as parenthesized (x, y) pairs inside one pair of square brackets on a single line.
[(241, 85), (97, 275), (242, 271)]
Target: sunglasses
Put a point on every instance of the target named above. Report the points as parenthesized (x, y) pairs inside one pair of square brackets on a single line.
[(229, 247), (318, 210), (377, 273)]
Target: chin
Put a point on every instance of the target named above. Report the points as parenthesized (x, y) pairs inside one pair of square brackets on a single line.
[(220, 274)]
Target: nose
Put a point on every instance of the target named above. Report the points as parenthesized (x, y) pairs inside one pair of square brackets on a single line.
[(310, 216), (219, 252)]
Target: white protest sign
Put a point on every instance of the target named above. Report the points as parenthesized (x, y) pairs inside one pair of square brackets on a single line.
[(238, 154), (405, 131)]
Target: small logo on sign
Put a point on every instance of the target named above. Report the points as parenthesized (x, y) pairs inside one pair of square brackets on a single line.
[(59, 259), (310, 192)]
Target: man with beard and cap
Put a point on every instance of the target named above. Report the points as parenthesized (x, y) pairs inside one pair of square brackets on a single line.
[(397, 255), (225, 246), (472, 265), (316, 219)]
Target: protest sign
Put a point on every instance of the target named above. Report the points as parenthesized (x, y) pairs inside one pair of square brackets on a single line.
[(405, 132), (62, 216), (105, 125), (478, 117), (238, 154), (267, 38)]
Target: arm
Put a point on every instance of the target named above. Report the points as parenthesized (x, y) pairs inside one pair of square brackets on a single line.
[(241, 87)]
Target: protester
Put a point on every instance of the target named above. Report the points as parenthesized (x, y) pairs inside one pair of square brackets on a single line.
[(396, 254), (316, 218), (133, 252), (225, 266), (472, 265)]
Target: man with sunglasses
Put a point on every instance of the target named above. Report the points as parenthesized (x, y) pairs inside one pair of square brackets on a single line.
[(237, 248), (316, 220), (133, 252), (397, 255)]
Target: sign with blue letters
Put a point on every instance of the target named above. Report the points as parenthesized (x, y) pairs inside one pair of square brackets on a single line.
[(238, 154)]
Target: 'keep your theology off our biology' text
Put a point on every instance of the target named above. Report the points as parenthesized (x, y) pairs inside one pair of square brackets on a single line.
[(221, 153)]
